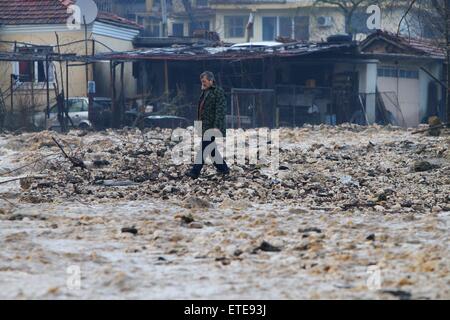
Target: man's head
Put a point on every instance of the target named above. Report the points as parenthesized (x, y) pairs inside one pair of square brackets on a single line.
[(207, 79)]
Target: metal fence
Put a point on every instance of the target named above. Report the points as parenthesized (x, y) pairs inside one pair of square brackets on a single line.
[(251, 108), (297, 105)]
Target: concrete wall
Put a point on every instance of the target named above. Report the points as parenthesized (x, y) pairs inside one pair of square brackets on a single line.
[(102, 69), (412, 93)]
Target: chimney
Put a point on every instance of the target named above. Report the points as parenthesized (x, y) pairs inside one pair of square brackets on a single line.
[(149, 5)]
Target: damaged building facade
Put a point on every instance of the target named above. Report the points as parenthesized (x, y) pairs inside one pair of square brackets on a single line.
[(386, 79)]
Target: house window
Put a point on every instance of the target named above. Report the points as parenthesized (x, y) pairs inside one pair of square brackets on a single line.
[(26, 70), (178, 30), (152, 28), (409, 74), (198, 25), (389, 72), (104, 5), (270, 29), (235, 26), (201, 3), (33, 71), (288, 27), (301, 28)]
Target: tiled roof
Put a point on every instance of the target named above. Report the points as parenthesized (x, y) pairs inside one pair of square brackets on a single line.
[(115, 19), (416, 46), (17, 12)]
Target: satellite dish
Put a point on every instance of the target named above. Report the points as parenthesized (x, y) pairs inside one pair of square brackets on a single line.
[(88, 10), (80, 12)]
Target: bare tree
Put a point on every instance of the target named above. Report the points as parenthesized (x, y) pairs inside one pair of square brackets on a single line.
[(348, 8)]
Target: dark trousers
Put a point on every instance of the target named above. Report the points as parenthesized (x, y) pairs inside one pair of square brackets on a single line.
[(221, 166)]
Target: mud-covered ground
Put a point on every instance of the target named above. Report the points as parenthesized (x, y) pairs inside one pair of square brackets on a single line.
[(353, 213)]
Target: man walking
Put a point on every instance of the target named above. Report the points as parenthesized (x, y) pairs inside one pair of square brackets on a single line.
[(211, 113)]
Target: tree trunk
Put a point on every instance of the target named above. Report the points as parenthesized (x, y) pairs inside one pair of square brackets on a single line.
[(348, 19)]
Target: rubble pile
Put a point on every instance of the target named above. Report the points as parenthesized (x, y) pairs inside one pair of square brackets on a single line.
[(345, 202), (383, 169)]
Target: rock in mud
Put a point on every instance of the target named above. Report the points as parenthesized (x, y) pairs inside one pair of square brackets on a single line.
[(267, 247), (131, 230)]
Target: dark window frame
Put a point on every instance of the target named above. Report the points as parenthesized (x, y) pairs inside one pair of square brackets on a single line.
[(235, 26)]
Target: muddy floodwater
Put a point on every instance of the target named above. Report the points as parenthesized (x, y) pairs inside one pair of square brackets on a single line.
[(352, 213)]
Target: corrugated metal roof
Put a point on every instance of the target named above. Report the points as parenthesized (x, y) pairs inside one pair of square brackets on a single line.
[(226, 53)]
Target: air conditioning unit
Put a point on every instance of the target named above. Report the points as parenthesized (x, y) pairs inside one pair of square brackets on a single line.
[(324, 21)]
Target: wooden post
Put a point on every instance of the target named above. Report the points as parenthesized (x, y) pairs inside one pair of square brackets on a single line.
[(60, 63), (12, 92), (122, 93), (66, 105), (232, 108), (32, 85), (166, 78), (115, 109), (47, 89), (86, 53), (93, 64)]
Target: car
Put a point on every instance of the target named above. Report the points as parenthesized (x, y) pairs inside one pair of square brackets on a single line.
[(77, 110), (135, 116), (256, 45)]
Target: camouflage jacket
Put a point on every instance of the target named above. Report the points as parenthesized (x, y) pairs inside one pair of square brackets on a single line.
[(212, 114)]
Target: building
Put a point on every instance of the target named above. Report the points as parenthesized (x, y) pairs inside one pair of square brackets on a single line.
[(264, 20), (409, 76), (386, 79), (177, 18), (123, 8), (31, 26), (273, 86), (302, 20)]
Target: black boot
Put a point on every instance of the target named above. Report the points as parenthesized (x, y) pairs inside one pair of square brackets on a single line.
[(192, 174), (223, 169)]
